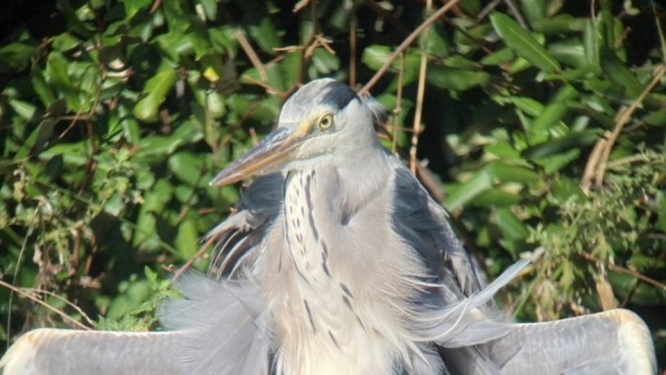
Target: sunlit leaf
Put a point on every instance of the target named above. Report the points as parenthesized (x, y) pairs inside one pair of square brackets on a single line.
[(155, 92), (523, 43)]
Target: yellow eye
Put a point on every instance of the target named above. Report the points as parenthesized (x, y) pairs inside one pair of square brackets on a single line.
[(325, 122)]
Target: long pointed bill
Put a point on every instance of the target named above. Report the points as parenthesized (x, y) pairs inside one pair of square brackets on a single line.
[(274, 151)]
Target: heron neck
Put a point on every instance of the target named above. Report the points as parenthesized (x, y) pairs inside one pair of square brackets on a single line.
[(359, 178), (310, 279)]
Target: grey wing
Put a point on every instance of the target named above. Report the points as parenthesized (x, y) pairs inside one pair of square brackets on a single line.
[(424, 225), (611, 342), (481, 341), (64, 352), (454, 317), (218, 328), (239, 235), (224, 323)]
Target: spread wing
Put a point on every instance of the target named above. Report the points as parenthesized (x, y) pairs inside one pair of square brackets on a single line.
[(218, 328), (610, 342), (474, 338)]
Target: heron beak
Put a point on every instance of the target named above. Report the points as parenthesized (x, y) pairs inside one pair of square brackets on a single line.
[(274, 151)]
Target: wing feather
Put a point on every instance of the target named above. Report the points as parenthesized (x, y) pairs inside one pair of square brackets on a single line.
[(242, 232), (610, 342)]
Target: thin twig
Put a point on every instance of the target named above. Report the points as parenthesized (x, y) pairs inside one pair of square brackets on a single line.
[(592, 162), (70, 304), (662, 40), (251, 54), (420, 95), (516, 13), (622, 119), (352, 48), (487, 10), (270, 89), (406, 43), (190, 261), (627, 271), (17, 270), (398, 104), (597, 163), (627, 160), (39, 301), (156, 5), (300, 6)]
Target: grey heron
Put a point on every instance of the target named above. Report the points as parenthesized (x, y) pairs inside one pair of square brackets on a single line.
[(339, 262)]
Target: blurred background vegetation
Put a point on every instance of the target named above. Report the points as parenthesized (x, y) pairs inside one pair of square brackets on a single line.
[(540, 125)]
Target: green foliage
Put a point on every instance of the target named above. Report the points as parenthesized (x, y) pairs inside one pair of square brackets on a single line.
[(545, 124), (148, 293)]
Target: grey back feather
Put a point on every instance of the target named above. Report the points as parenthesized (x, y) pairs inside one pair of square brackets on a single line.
[(424, 226)]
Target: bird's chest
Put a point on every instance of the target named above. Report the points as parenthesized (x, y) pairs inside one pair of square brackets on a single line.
[(321, 324), (304, 246)]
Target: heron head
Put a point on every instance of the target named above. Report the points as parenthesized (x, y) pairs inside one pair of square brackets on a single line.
[(322, 121)]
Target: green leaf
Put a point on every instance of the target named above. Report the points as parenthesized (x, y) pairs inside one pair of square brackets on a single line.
[(557, 161), (133, 7), (175, 45), (559, 24), (265, 35), (73, 154), (657, 118), (591, 42), (528, 105), (188, 167), (16, 57), (619, 74), (456, 79), (293, 63), (187, 239), (437, 45), (563, 144), (155, 92), (324, 62), (496, 198), (556, 109), (56, 66), (484, 180), (65, 42), (500, 57), (25, 110), (523, 43), (177, 16), (155, 200), (503, 150), (471, 6), (375, 56), (41, 87), (503, 172), (510, 225), (534, 10), (570, 52), (467, 191), (209, 8), (564, 189)]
